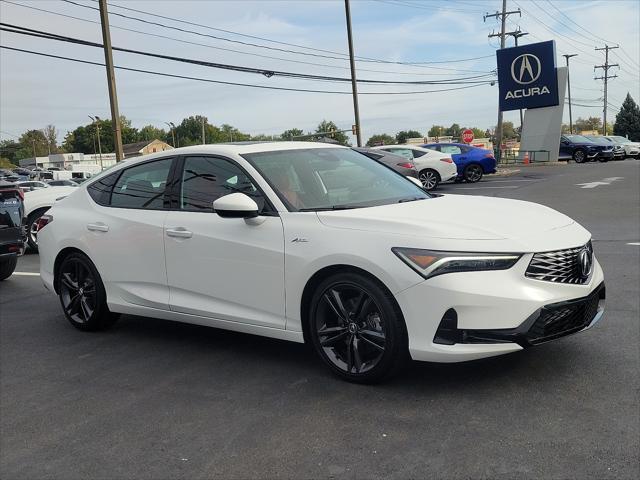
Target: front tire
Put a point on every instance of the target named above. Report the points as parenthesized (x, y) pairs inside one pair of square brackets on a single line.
[(82, 294), (357, 329), (32, 228), (473, 173), (429, 178), (579, 156), (8, 266)]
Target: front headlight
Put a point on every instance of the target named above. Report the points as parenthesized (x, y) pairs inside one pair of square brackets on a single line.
[(430, 263)]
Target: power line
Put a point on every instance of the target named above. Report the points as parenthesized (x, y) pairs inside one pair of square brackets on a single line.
[(266, 72), (333, 57), (266, 87), (605, 77), (189, 42)]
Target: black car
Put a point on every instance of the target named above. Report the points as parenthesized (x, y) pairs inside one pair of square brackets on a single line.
[(8, 175), (580, 149), (12, 231), (398, 163)]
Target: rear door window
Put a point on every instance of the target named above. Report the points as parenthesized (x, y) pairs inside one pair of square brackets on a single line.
[(142, 186)]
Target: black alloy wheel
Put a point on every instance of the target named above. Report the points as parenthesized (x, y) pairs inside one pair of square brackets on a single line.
[(429, 179), (82, 294), (579, 156), (473, 173), (356, 329)]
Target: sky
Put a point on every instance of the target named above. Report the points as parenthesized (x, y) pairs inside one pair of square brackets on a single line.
[(36, 91)]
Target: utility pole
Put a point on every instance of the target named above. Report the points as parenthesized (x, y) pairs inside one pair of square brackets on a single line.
[(567, 57), (354, 84), (173, 135), (605, 76), (111, 80), (95, 120), (503, 20), (516, 35), (203, 139)]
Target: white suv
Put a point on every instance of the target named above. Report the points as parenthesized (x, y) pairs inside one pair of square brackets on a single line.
[(316, 243)]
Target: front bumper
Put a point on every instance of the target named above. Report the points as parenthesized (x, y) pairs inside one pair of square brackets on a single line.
[(494, 311)]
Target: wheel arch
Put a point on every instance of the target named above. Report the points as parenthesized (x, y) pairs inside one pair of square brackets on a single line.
[(327, 271), (62, 254)]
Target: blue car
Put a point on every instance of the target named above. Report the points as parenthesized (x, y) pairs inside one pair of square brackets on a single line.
[(472, 162)]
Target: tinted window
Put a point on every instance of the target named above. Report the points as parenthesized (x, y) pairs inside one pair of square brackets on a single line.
[(142, 186), (100, 190), (418, 153), (405, 152), (451, 149), (205, 179)]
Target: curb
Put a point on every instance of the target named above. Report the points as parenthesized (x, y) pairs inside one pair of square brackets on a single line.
[(534, 165), (506, 172)]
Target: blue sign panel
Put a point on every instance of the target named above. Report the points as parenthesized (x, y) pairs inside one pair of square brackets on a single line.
[(527, 76)]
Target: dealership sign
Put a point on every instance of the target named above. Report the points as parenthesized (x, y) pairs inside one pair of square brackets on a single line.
[(527, 76)]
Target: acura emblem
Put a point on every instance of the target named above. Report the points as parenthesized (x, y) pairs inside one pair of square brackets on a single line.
[(585, 260), (525, 69)]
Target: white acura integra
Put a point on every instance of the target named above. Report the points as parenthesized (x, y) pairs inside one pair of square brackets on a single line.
[(316, 243)]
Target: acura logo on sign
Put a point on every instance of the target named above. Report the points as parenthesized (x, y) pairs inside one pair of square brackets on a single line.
[(525, 69), (585, 260)]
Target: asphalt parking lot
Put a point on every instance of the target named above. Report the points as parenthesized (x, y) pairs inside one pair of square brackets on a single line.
[(156, 399)]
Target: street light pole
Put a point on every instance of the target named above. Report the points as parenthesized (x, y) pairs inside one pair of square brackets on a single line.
[(354, 83), (95, 120), (567, 57), (173, 135)]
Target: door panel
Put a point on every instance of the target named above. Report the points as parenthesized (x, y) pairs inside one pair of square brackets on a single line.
[(225, 268)]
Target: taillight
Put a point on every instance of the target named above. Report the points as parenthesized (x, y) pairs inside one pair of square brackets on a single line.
[(446, 160), (406, 165), (43, 221)]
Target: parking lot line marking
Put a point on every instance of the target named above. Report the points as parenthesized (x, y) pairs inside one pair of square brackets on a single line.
[(27, 274), (633, 243), (604, 181), (515, 180), (482, 188)]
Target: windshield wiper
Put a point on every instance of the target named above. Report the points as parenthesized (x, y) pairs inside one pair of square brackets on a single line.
[(332, 207), (411, 199)]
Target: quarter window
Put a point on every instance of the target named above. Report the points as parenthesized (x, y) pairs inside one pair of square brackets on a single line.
[(100, 190), (205, 179), (142, 186)]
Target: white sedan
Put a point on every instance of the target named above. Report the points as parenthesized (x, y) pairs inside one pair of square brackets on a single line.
[(288, 240), (433, 166)]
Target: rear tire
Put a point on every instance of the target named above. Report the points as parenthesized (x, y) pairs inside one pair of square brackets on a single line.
[(82, 294), (429, 178), (357, 329), (579, 156), (473, 173), (8, 266)]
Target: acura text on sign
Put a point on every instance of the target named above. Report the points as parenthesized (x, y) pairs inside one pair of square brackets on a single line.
[(527, 76)]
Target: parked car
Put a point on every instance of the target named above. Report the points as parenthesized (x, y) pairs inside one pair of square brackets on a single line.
[(472, 162), (36, 203), (31, 185), (580, 149), (632, 149), (8, 175), (289, 240), (618, 150), (433, 167), (398, 163), (12, 233), (25, 172), (62, 183)]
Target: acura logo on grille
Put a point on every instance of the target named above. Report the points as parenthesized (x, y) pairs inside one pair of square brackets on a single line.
[(585, 260)]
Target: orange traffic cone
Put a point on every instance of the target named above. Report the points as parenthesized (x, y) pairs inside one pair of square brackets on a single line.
[(526, 158)]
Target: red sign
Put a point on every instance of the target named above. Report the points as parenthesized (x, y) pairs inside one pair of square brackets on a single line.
[(467, 136)]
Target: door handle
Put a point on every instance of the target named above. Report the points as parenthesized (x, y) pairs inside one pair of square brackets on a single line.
[(179, 232), (97, 227)]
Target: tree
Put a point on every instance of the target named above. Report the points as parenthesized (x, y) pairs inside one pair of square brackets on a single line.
[(380, 139), (591, 123), (150, 132), (8, 150), (436, 131), (508, 131), (328, 126), (32, 143), (6, 163), (628, 120), (51, 134), (403, 135), (232, 134), (478, 132), (454, 131), (84, 139), (291, 133)]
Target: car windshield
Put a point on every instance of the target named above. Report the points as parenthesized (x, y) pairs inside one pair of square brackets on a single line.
[(618, 139), (598, 139), (332, 179), (578, 138)]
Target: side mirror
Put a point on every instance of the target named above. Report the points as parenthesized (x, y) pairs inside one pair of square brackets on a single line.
[(236, 205), (416, 181)]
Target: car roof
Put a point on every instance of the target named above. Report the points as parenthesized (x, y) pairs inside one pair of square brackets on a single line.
[(417, 147)]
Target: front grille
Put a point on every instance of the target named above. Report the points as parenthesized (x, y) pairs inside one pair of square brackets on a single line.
[(560, 266), (565, 318)]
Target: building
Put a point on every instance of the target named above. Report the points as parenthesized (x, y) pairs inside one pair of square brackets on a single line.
[(77, 162), (144, 148)]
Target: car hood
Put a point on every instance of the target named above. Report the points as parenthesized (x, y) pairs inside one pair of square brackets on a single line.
[(455, 217)]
